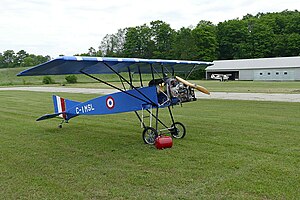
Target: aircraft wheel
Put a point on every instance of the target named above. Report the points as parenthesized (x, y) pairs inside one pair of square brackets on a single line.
[(149, 135), (178, 130)]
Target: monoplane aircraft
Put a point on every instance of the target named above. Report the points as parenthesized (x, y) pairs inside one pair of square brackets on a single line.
[(221, 77), (164, 90)]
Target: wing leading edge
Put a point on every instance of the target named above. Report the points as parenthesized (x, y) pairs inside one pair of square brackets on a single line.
[(98, 65)]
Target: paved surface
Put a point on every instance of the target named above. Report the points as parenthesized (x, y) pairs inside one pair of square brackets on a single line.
[(214, 95), (252, 96)]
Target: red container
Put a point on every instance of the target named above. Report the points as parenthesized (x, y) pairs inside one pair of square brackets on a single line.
[(162, 142)]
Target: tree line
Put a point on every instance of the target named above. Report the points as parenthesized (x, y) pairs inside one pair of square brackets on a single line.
[(10, 59), (254, 36)]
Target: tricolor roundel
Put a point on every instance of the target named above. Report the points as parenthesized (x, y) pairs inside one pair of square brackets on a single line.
[(110, 102)]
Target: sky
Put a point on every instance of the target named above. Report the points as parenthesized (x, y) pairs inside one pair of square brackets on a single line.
[(68, 27)]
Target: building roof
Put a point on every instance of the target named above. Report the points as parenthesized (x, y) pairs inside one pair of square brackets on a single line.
[(260, 63)]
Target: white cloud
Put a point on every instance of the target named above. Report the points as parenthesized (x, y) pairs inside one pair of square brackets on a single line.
[(53, 27)]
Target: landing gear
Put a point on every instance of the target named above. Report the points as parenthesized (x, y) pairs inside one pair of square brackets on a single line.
[(177, 130), (60, 125), (149, 135)]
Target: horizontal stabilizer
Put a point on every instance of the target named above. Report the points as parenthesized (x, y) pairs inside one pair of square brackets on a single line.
[(48, 116)]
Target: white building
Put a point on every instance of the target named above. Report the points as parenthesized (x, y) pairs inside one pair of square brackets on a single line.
[(262, 69)]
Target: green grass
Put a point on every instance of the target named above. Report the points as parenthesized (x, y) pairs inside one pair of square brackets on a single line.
[(232, 150), (231, 86), (252, 86)]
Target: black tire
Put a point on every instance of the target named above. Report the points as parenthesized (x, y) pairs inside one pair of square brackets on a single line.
[(178, 130), (149, 135)]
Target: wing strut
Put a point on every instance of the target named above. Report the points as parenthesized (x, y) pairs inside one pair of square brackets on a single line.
[(151, 67), (93, 77), (172, 118), (130, 77), (190, 72), (141, 81), (118, 74), (152, 115), (173, 71)]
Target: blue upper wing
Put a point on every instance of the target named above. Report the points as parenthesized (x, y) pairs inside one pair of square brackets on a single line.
[(98, 65)]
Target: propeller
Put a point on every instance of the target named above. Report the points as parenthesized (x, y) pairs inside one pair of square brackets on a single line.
[(197, 87)]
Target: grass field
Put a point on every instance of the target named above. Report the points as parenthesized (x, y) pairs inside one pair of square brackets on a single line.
[(8, 78), (231, 86), (233, 150)]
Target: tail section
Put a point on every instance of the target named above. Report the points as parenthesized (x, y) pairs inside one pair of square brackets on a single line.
[(61, 106)]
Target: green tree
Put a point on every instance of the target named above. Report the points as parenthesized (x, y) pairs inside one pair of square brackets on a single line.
[(261, 40), (28, 62), (205, 39), (2, 64), (138, 42), (262, 35), (20, 56), (113, 44), (91, 52), (293, 44), (32, 60), (286, 27), (9, 59), (183, 46), (162, 36), (233, 36)]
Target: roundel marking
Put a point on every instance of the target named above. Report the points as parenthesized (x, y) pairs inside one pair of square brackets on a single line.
[(110, 102)]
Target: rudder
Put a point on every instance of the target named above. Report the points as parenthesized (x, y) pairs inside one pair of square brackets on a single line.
[(61, 105)]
